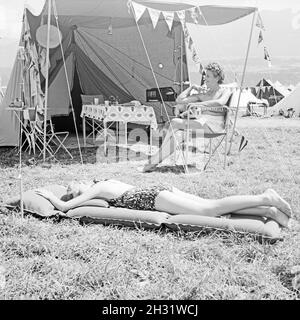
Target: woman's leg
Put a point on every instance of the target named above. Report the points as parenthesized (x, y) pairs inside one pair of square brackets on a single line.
[(264, 211), (173, 203), (170, 140), (274, 199)]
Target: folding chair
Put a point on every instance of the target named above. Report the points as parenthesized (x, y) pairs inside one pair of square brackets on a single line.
[(216, 139), (54, 140)]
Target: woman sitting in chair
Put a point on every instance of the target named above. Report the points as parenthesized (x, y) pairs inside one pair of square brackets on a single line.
[(166, 198), (212, 96)]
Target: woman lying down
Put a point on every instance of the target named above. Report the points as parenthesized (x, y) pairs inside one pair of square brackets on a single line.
[(169, 199)]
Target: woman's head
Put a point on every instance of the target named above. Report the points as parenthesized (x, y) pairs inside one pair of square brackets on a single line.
[(214, 74), (75, 189)]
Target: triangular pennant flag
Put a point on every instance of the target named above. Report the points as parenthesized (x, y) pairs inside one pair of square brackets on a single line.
[(195, 57), (181, 16), (169, 17), (129, 6), (139, 10), (154, 16), (201, 68), (267, 56), (259, 22), (186, 33), (194, 15), (190, 43), (260, 37)]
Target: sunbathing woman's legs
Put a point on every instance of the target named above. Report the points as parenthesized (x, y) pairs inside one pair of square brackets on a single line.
[(265, 211), (175, 204)]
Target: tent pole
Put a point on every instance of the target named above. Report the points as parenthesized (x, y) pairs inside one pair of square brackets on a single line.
[(47, 80), (243, 79), (181, 61)]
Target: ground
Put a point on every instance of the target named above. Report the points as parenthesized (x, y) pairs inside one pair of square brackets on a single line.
[(47, 259)]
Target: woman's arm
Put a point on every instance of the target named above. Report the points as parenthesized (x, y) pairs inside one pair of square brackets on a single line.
[(186, 97), (63, 206), (220, 102)]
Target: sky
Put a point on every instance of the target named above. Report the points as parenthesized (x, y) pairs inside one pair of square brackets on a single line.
[(11, 11), (11, 17)]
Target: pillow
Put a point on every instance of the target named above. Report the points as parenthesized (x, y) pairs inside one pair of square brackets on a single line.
[(89, 99), (36, 204), (256, 225), (120, 216)]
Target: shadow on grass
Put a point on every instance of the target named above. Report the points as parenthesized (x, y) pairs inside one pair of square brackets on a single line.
[(9, 157)]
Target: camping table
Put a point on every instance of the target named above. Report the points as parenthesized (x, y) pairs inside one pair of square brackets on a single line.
[(118, 113)]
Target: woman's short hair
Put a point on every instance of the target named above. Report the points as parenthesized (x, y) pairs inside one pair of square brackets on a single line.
[(217, 71)]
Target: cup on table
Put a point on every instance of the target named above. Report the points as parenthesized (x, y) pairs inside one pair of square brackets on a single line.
[(106, 102), (96, 100)]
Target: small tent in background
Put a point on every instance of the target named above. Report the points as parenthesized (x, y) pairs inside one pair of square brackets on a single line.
[(105, 55), (268, 90), (246, 98), (291, 101)]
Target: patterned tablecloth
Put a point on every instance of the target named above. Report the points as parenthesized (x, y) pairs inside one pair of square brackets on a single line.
[(120, 113)]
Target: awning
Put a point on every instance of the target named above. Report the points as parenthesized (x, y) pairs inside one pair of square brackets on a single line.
[(210, 14)]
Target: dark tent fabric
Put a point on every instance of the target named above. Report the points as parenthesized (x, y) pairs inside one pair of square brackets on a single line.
[(103, 49), (265, 89)]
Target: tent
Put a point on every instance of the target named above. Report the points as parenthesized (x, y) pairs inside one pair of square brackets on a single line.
[(273, 92), (291, 101), (242, 98), (246, 98), (104, 53)]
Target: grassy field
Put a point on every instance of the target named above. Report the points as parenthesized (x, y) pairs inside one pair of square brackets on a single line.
[(46, 259)]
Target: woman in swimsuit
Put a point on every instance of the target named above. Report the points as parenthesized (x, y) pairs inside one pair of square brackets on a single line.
[(213, 97), (168, 199)]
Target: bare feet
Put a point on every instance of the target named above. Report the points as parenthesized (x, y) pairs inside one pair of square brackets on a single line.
[(278, 216), (278, 202)]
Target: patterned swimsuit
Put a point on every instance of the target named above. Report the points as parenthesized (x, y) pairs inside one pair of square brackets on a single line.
[(139, 198)]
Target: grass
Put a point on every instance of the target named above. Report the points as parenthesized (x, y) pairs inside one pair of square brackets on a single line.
[(46, 259)]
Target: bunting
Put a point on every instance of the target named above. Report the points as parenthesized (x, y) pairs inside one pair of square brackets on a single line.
[(259, 23), (169, 17), (267, 57), (194, 14), (181, 16), (260, 37), (138, 9), (154, 16)]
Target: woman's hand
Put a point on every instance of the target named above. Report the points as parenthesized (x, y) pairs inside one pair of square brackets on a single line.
[(196, 87), (178, 110), (45, 193)]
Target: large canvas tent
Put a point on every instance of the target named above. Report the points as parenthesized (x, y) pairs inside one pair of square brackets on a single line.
[(291, 101), (104, 52)]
